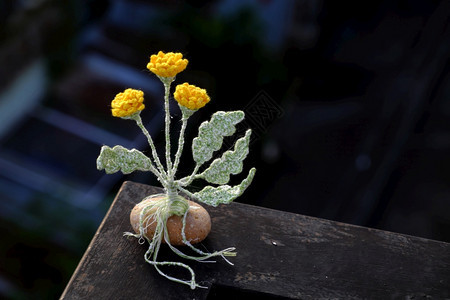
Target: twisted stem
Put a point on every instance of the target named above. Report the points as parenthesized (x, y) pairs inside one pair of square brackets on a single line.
[(138, 120), (167, 81), (188, 179), (180, 144)]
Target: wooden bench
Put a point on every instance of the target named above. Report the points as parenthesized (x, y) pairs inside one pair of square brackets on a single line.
[(280, 256)]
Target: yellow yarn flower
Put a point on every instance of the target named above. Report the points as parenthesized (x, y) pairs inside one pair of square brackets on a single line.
[(167, 64), (191, 96), (127, 103)]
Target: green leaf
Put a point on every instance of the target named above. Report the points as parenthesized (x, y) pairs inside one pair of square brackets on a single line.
[(224, 194), (231, 162), (210, 134), (119, 158)]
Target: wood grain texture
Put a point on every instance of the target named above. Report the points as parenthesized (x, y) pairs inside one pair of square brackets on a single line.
[(279, 254)]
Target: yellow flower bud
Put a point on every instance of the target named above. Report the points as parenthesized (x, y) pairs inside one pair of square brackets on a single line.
[(127, 103), (167, 64), (191, 96)]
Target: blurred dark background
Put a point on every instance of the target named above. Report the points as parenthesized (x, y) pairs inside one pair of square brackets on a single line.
[(349, 102)]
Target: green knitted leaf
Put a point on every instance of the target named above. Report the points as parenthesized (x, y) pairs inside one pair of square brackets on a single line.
[(224, 194), (119, 158), (231, 162), (211, 133)]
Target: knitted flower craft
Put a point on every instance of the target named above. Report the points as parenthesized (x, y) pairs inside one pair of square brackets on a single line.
[(190, 96), (127, 103), (167, 64), (150, 217)]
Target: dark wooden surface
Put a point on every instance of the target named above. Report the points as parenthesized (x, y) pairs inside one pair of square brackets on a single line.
[(280, 255)]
